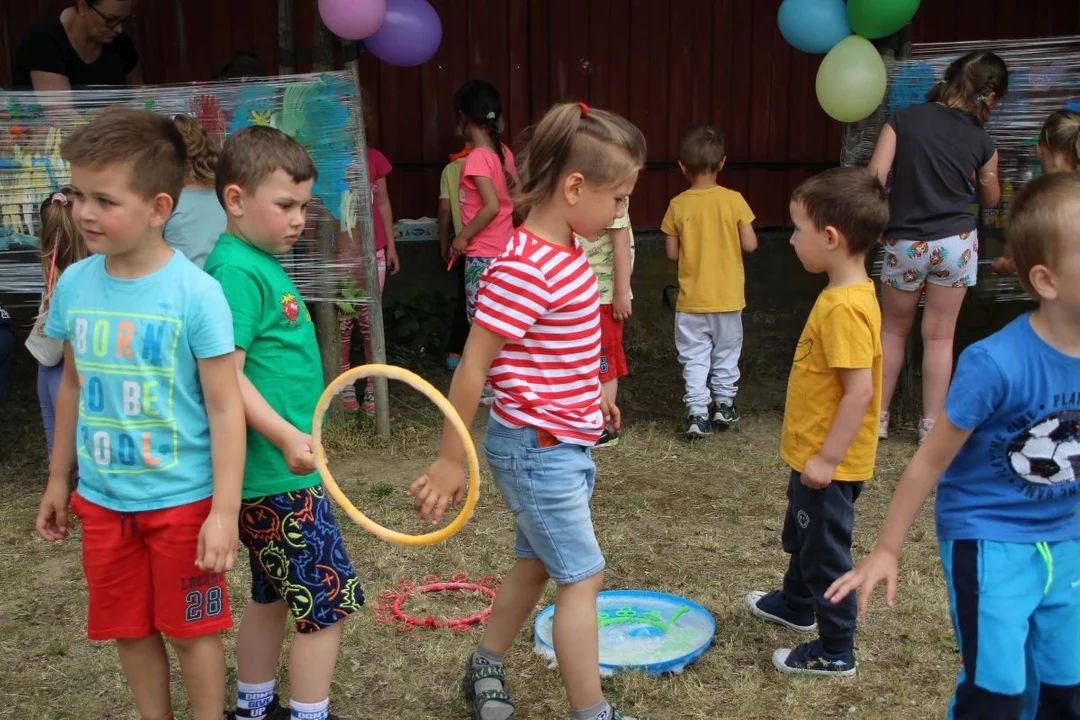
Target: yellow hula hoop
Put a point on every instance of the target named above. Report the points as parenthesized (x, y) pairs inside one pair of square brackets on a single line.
[(412, 379)]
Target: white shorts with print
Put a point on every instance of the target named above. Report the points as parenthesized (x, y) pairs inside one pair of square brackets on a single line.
[(949, 262)]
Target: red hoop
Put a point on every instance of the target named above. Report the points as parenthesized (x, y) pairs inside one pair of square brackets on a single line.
[(388, 609)]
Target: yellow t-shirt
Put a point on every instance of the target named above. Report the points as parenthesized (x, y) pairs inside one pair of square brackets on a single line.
[(601, 256), (843, 332), (448, 190), (707, 223)]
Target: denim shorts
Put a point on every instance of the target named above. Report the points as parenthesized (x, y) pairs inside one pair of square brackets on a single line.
[(548, 490)]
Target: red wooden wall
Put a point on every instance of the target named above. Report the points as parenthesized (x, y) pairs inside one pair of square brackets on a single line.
[(663, 63)]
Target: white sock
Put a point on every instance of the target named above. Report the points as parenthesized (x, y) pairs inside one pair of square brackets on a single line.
[(252, 699), (309, 711)]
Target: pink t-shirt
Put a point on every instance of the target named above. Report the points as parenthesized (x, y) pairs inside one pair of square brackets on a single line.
[(481, 162), (378, 168)]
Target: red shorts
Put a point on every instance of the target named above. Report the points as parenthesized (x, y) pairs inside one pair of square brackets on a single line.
[(141, 573), (612, 357)]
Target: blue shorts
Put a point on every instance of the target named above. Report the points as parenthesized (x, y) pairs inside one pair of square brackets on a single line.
[(297, 555), (548, 489), (1014, 604)]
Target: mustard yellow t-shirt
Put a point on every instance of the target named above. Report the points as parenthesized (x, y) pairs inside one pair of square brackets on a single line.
[(843, 332), (707, 223), (449, 185)]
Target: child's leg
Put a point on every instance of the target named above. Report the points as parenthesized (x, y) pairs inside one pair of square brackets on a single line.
[(518, 594), (345, 328), (576, 638), (48, 384), (798, 596), (1055, 634), (727, 334), (459, 328), (312, 660), (146, 669), (693, 341), (202, 664)]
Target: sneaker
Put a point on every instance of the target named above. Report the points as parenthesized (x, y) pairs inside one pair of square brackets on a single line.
[(883, 426), (273, 711), (925, 426), (451, 361), (609, 439), (771, 607), (725, 414), (348, 398), (368, 405), (811, 659), (487, 395), (697, 426)]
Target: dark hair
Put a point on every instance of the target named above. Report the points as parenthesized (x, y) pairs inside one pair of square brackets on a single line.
[(1039, 220), (150, 143), (478, 103), (241, 65), (969, 81), (852, 200), (253, 153), (701, 149), (604, 147)]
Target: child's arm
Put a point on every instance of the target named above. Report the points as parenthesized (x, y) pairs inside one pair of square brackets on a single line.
[(444, 481), (671, 247), (218, 538), (620, 242), (444, 228), (386, 214), (858, 392), (748, 238), (484, 215), (989, 189), (294, 444), (884, 153), (920, 477), (52, 518)]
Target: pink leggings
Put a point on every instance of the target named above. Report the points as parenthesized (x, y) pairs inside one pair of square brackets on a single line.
[(347, 323)]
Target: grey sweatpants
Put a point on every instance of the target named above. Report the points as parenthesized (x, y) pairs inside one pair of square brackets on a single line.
[(709, 345)]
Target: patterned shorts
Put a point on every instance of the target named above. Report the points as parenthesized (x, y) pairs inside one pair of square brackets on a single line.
[(297, 555), (474, 269), (949, 262)]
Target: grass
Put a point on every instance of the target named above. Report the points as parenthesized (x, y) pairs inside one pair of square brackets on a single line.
[(699, 520)]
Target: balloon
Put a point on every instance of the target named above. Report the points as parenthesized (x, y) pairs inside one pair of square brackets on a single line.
[(813, 26), (879, 18), (851, 80), (409, 36), (352, 19)]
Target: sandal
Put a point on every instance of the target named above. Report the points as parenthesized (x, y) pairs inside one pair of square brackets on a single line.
[(480, 699)]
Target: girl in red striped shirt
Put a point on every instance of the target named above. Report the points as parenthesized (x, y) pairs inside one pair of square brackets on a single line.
[(536, 335)]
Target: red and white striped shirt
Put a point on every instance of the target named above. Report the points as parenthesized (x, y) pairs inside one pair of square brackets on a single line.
[(544, 299)]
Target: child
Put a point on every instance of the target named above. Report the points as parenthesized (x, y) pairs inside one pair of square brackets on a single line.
[(450, 218), (936, 151), (149, 403), (1059, 151), (829, 438), (386, 257), (539, 307), (298, 563), (486, 179), (708, 229), (1007, 500), (241, 66), (61, 246), (198, 219), (611, 256)]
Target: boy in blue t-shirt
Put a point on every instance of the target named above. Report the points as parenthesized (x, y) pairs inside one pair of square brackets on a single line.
[(1008, 455), (150, 407)]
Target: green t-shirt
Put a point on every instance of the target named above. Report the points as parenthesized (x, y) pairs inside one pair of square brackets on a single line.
[(273, 326)]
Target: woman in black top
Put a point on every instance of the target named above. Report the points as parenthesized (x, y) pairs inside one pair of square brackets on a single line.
[(83, 45)]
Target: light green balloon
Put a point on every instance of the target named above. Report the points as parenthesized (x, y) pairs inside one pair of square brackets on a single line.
[(851, 80)]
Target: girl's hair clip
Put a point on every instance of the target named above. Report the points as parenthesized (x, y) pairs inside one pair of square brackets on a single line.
[(981, 98), (584, 109), (491, 115), (59, 197)]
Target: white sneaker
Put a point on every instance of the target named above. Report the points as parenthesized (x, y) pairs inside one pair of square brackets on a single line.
[(925, 426), (883, 426)]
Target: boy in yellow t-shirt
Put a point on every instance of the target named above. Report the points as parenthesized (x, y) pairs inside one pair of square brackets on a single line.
[(449, 226), (829, 437), (708, 229)]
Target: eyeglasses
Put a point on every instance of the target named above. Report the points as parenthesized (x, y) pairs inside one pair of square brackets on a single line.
[(111, 21)]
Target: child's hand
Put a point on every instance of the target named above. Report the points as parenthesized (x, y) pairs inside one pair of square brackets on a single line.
[(621, 308), (441, 484), (880, 566), (1003, 266), (818, 472), (458, 246), (52, 517), (612, 415), (392, 262), (217, 543), (298, 453)]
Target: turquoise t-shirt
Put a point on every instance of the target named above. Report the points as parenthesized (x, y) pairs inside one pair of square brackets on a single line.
[(143, 435), (195, 225), (273, 326)]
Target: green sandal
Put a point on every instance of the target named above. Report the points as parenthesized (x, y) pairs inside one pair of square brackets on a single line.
[(479, 700)]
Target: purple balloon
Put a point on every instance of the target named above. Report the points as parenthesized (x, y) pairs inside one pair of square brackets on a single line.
[(409, 35), (352, 19)]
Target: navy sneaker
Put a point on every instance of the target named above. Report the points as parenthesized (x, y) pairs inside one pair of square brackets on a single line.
[(725, 414), (811, 659), (771, 607), (273, 711), (697, 426)]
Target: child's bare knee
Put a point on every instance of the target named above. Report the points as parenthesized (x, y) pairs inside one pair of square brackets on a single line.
[(184, 646)]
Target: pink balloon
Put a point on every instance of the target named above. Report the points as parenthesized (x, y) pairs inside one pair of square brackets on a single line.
[(353, 19)]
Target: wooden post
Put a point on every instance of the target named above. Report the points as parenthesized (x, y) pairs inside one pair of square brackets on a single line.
[(365, 227), (286, 64)]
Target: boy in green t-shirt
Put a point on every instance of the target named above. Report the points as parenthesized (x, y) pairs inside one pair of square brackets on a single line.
[(298, 562)]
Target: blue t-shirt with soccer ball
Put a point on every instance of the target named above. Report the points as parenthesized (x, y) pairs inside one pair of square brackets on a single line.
[(1016, 478)]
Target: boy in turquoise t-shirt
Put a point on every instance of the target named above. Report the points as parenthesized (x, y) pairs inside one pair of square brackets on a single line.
[(264, 181)]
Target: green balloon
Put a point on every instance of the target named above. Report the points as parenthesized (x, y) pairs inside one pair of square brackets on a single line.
[(880, 18), (851, 80)]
